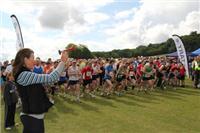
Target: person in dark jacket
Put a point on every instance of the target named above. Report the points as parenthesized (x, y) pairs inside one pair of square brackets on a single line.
[(35, 102), (10, 99)]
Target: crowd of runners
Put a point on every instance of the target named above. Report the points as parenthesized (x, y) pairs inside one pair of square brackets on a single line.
[(95, 77), (106, 77)]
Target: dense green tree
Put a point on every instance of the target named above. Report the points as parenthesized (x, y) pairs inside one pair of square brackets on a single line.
[(191, 43), (80, 52)]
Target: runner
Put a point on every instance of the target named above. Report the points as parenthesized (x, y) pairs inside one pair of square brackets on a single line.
[(74, 77), (38, 67), (87, 79), (121, 79), (108, 77), (131, 75)]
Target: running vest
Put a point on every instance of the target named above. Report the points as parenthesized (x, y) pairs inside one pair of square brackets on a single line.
[(197, 66), (147, 70)]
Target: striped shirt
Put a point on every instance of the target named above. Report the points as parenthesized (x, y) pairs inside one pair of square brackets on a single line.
[(28, 78)]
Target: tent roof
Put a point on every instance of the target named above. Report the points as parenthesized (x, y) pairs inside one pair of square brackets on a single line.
[(175, 54), (197, 52)]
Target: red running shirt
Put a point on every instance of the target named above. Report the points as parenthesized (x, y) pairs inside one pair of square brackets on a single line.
[(87, 73), (182, 71)]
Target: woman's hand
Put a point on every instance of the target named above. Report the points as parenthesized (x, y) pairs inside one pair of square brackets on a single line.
[(64, 56)]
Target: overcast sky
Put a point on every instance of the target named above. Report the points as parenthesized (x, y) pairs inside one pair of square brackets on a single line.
[(102, 25)]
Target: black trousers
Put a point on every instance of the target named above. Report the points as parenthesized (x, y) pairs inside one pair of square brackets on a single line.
[(32, 125), (10, 115), (196, 78), (101, 80)]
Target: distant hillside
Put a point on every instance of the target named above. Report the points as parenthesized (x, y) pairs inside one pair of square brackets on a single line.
[(191, 43)]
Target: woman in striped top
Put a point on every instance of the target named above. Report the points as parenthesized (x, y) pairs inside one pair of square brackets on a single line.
[(31, 90)]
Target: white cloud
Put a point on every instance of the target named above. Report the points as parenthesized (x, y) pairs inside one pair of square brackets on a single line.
[(82, 12), (151, 22), (58, 14), (125, 14), (191, 23), (43, 47), (157, 33), (40, 17), (154, 22), (16, 7), (7, 49), (95, 17), (89, 5), (98, 46)]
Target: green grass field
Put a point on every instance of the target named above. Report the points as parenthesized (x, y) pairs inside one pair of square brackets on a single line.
[(169, 111)]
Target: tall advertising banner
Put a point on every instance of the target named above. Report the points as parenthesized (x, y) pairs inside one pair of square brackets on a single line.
[(181, 52), (20, 43)]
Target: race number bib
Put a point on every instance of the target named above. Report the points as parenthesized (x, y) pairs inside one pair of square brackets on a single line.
[(148, 75), (111, 74), (131, 73), (88, 74)]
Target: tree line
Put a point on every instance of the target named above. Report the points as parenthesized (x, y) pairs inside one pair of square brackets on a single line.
[(191, 43)]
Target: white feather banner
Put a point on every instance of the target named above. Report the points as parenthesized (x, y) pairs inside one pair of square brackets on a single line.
[(20, 43), (181, 52)]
